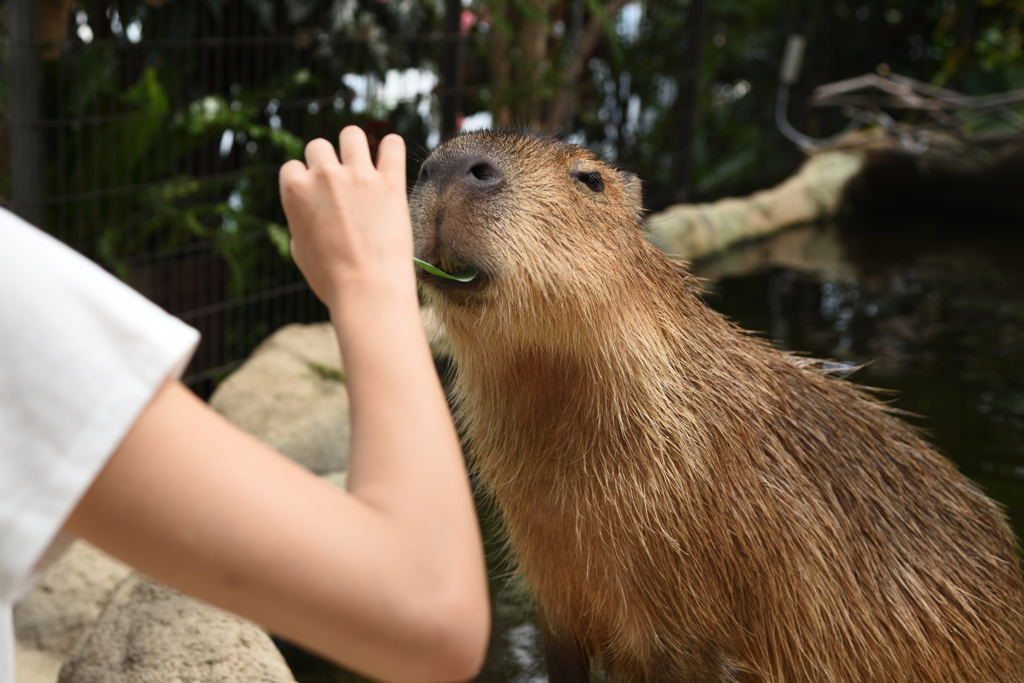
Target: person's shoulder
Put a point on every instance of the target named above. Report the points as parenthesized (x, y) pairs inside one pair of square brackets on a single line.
[(13, 225), (20, 239)]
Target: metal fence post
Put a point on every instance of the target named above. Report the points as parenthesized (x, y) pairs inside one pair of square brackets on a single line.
[(576, 36), (26, 142), (451, 68)]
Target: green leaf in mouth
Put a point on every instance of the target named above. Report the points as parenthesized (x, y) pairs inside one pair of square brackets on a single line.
[(462, 276)]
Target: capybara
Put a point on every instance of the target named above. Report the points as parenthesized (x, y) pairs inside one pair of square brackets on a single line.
[(686, 502)]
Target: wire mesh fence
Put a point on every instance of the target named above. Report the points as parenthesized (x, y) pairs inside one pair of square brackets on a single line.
[(158, 146), (147, 134)]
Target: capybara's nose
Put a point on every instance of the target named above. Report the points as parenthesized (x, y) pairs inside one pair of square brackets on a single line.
[(473, 172)]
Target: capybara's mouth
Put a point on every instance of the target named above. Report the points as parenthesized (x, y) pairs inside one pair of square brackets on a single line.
[(464, 275), (458, 288)]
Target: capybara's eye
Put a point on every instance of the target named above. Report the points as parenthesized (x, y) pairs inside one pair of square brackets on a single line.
[(591, 179)]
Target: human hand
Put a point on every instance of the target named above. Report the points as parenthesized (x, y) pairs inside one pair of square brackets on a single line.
[(350, 221)]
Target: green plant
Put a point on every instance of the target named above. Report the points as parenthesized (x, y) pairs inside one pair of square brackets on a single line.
[(462, 276)]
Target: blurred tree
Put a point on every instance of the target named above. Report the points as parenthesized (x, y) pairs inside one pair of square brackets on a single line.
[(681, 91), (535, 55)]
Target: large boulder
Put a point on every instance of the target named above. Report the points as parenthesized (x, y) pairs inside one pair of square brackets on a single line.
[(36, 666), (337, 479), (57, 613), (291, 395), (152, 634), (436, 335), (67, 600)]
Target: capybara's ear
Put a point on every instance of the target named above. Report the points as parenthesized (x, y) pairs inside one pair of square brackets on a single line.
[(632, 193)]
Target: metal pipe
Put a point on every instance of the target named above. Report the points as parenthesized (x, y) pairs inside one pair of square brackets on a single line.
[(26, 143)]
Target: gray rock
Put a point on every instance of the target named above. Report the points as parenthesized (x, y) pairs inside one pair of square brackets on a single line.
[(151, 634), (67, 600), (436, 334), (337, 479), (291, 395), (35, 666), (316, 344)]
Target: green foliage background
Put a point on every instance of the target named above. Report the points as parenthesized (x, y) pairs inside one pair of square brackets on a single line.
[(142, 119)]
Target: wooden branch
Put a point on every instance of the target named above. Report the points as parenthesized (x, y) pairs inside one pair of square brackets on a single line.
[(52, 26), (957, 171), (587, 44), (898, 90), (591, 36), (907, 94), (695, 231), (878, 101), (928, 88)]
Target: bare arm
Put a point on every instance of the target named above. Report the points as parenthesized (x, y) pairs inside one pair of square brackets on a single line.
[(388, 580)]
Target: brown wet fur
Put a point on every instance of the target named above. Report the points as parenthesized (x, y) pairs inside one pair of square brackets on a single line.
[(686, 502)]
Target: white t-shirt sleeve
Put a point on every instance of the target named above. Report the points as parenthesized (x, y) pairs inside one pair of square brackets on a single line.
[(81, 354)]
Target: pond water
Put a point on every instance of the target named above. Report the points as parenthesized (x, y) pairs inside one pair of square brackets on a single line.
[(931, 309)]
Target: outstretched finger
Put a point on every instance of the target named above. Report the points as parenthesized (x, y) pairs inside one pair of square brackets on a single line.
[(355, 150), (320, 152), (391, 156), (290, 173)]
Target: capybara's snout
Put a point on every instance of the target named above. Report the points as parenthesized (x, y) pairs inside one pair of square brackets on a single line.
[(472, 172)]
